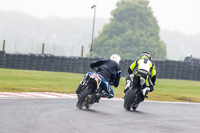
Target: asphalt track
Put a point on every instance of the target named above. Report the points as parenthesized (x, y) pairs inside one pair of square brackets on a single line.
[(49, 115)]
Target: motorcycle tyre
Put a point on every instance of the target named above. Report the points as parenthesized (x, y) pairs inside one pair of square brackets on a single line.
[(83, 98), (128, 99)]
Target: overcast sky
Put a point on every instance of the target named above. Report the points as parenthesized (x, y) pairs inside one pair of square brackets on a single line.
[(179, 15)]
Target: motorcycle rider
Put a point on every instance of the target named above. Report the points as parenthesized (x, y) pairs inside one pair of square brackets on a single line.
[(145, 69), (110, 73)]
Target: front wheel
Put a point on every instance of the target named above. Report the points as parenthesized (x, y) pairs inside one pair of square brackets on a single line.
[(129, 98), (83, 98)]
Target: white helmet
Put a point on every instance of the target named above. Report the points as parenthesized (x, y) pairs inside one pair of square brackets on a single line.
[(116, 58)]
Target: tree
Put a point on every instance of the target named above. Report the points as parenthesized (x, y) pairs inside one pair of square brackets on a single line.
[(132, 29)]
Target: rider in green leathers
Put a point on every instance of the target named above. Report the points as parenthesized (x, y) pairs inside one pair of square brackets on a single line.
[(142, 68)]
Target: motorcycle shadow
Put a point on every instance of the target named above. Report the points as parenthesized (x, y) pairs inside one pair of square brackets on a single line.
[(137, 111), (94, 111)]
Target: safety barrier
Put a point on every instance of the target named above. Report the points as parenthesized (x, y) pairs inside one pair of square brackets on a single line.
[(166, 69)]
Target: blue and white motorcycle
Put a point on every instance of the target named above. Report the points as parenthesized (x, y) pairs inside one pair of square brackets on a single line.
[(91, 92)]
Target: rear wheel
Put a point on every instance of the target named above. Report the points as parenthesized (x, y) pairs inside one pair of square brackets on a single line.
[(82, 101), (129, 97)]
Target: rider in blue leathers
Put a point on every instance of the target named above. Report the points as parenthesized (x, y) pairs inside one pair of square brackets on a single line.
[(109, 71)]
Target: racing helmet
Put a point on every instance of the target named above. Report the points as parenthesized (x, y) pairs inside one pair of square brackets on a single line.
[(145, 54), (116, 58)]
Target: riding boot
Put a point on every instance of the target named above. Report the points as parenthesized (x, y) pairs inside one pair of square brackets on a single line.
[(145, 91), (128, 83)]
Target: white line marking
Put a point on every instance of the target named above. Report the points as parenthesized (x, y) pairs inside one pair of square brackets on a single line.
[(171, 102), (30, 95)]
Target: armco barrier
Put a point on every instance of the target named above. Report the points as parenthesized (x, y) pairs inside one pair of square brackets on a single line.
[(166, 69)]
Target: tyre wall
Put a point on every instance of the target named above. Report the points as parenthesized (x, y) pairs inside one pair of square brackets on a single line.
[(166, 69)]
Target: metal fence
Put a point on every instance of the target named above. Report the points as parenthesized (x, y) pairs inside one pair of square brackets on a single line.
[(166, 69)]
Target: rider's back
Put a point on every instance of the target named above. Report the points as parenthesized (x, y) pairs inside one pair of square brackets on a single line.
[(109, 69)]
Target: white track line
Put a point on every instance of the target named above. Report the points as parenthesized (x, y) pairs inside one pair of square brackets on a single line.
[(171, 102), (35, 95), (17, 95)]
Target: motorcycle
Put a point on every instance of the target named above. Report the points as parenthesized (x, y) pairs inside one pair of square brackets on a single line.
[(136, 94), (91, 92)]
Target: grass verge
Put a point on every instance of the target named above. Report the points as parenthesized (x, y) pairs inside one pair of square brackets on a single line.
[(39, 81)]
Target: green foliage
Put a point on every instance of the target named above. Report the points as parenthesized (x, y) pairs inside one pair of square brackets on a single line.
[(132, 29)]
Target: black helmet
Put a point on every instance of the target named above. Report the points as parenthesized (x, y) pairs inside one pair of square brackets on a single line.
[(145, 54)]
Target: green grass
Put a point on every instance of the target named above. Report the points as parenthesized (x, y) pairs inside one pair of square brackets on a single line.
[(39, 81)]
